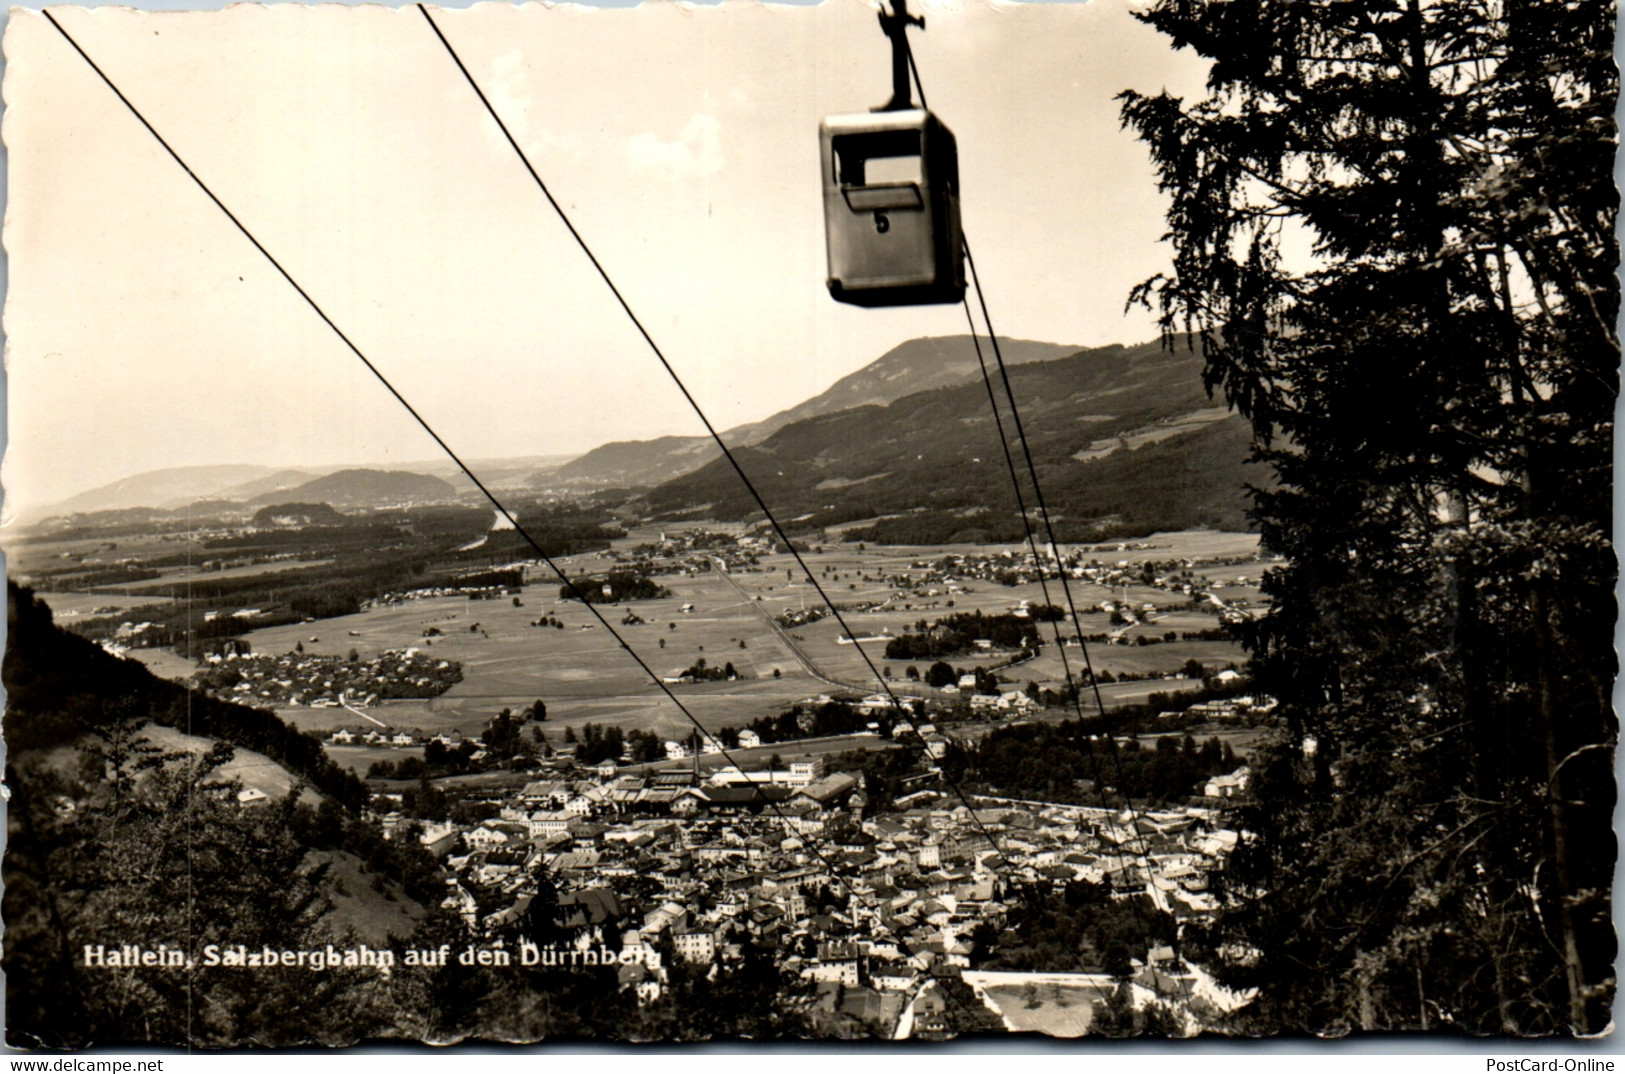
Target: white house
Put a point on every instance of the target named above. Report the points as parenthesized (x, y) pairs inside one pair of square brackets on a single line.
[(698, 946)]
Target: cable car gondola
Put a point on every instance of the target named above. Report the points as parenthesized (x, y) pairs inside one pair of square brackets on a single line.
[(891, 196)]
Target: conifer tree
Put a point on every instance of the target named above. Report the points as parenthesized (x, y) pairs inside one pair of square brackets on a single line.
[(1393, 235)]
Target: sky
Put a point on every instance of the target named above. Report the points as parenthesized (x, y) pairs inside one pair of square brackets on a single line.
[(143, 331)]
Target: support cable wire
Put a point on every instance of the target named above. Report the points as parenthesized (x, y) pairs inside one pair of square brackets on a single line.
[(1066, 588), (1038, 559), (750, 486), (727, 452), (715, 435), (1038, 493), (424, 424), (1060, 645), (915, 71), (1021, 504), (834, 873)]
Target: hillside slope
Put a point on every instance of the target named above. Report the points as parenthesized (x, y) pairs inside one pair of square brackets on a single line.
[(915, 366), (356, 488), (632, 463), (173, 487), (59, 685), (126, 825), (1156, 453), (918, 365)]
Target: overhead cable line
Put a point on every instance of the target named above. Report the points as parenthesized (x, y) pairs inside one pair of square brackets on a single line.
[(727, 453), (699, 411), (908, 52), (1026, 522), (491, 497), (835, 874), (1038, 561), (744, 478), (1032, 540), (444, 446), (1038, 493)]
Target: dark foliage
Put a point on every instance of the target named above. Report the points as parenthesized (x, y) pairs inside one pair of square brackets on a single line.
[(57, 684), (620, 585), (1057, 763), (1081, 929), (298, 514), (955, 635), (1435, 397)]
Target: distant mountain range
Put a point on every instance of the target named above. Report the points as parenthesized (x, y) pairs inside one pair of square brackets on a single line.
[(215, 488), (632, 463), (1125, 440), (278, 481), (164, 489), (357, 488), (915, 366)]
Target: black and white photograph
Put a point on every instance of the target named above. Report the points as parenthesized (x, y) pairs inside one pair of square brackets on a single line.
[(906, 522)]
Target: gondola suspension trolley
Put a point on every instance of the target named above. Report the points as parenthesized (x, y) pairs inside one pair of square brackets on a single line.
[(891, 195)]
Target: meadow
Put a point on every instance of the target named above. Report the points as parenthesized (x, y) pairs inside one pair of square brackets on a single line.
[(584, 675)]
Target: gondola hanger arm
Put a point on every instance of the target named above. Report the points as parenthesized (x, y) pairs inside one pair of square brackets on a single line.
[(895, 24)]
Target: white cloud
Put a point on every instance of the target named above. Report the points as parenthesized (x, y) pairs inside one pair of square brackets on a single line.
[(697, 151), (509, 91)]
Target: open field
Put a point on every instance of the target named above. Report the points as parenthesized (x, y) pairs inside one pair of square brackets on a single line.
[(584, 674), (1192, 544), (164, 663), (1057, 1004), (360, 758), (66, 607), (1162, 545), (53, 553), (395, 715), (779, 587), (1116, 694), (579, 670), (1151, 434), (177, 575), (255, 770)]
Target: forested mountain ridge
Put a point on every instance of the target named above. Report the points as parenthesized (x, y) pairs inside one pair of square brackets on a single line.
[(913, 366), (60, 686), (351, 488), (1125, 441), (113, 840)]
